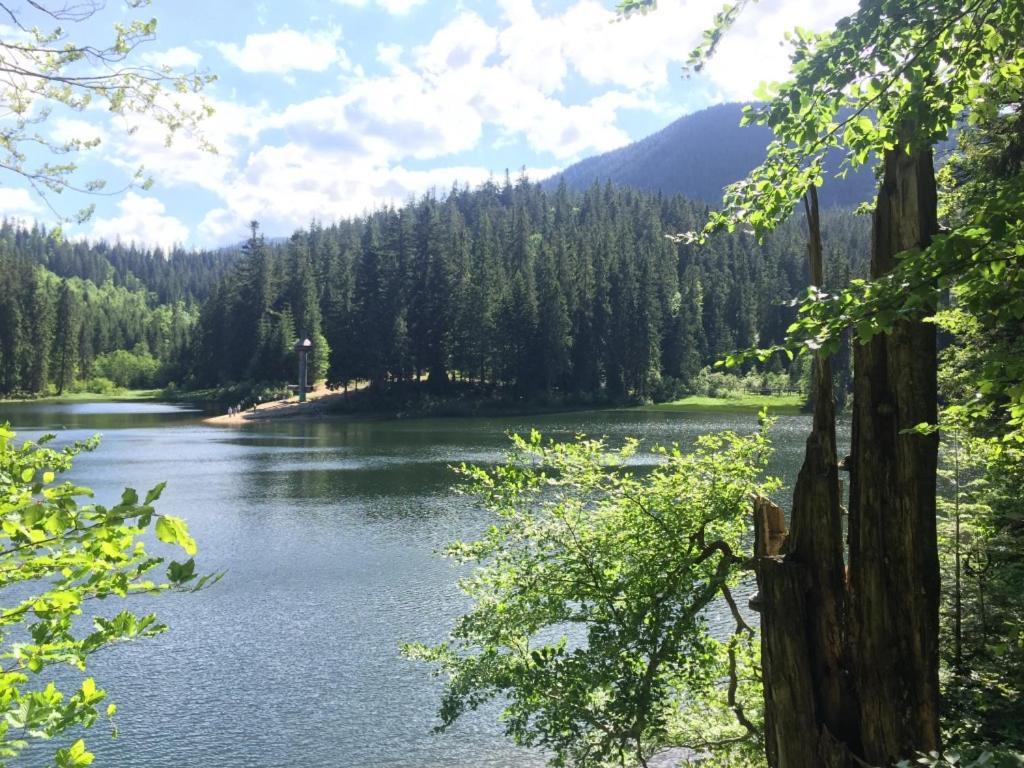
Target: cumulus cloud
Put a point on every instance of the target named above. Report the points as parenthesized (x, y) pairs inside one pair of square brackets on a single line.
[(19, 204), (277, 188), (515, 79), (141, 220), (643, 52), (71, 129), (231, 131), (179, 57), (287, 50), (465, 43), (751, 53)]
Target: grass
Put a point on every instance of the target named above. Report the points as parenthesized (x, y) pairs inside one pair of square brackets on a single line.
[(787, 403), (94, 397)]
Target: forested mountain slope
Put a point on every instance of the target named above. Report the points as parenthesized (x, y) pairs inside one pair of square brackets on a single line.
[(534, 292), (698, 155)]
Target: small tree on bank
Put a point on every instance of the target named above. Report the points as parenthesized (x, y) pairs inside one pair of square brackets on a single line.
[(591, 597)]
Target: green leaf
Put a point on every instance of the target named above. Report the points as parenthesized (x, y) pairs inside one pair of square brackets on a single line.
[(178, 573), (75, 756), (155, 492), (174, 530)]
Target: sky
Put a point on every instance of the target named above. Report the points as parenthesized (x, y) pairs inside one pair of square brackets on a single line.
[(325, 109)]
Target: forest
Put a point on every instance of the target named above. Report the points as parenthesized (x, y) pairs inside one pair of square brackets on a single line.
[(536, 294)]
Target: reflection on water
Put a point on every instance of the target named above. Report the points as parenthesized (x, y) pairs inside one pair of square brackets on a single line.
[(62, 417), (327, 533)]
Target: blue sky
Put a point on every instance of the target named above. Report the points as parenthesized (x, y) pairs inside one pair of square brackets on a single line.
[(327, 108)]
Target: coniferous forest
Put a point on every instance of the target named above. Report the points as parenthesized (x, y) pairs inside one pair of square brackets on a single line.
[(533, 293)]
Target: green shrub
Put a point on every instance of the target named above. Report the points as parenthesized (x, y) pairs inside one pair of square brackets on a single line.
[(135, 369)]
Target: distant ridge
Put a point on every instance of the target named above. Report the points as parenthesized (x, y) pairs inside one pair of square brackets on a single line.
[(696, 156)]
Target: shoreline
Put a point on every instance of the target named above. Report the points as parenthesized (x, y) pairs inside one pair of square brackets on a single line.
[(321, 403), (324, 403), (316, 401)]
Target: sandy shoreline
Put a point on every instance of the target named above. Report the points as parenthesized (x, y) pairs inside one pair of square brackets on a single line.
[(315, 404)]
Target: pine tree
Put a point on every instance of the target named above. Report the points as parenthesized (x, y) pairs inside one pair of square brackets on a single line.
[(65, 348), (305, 306)]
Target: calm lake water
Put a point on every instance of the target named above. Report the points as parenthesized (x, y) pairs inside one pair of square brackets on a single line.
[(327, 532)]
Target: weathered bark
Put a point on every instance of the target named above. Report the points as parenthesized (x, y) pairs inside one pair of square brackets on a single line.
[(810, 716), (788, 690), (894, 570)]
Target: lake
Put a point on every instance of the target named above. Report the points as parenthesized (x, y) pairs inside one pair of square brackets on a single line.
[(327, 533)]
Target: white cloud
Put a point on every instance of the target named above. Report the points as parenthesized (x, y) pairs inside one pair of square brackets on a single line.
[(178, 57), (585, 38), (287, 50), (644, 51), (399, 7), (142, 220), (751, 52), (394, 7), (72, 129), (514, 80), (465, 43), (390, 55), (549, 125), (19, 204), (232, 129), (532, 46), (277, 188)]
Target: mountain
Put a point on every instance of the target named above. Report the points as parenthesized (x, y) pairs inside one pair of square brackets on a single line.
[(698, 155)]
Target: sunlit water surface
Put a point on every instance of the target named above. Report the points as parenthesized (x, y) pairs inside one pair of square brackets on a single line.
[(327, 533)]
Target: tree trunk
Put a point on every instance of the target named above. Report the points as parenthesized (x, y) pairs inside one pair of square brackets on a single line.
[(803, 594), (894, 568), (851, 665)]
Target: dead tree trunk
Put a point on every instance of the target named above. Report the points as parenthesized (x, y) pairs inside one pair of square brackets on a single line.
[(810, 716), (894, 568), (851, 665)]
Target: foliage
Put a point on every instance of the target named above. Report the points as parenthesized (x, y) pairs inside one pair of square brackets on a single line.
[(55, 331), (97, 385), (136, 369), (954, 759), (57, 556), (981, 518), (716, 383), (541, 294), (980, 378), (242, 394), (892, 73), (887, 83), (591, 595), (46, 68), (902, 75)]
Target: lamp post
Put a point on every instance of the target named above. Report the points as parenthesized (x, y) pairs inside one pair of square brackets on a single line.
[(303, 347)]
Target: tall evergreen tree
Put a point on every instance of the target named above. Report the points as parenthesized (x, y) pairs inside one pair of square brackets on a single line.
[(65, 348)]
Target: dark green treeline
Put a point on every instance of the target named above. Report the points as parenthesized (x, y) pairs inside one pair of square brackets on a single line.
[(540, 293)]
